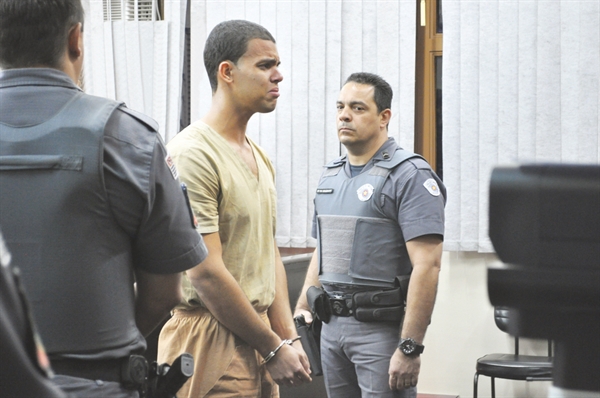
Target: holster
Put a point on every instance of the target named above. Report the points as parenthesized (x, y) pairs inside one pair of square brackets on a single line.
[(311, 342), (318, 301)]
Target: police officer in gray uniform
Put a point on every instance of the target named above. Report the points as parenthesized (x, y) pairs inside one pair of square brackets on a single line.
[(24, 367), (379, 223), (90, 205)]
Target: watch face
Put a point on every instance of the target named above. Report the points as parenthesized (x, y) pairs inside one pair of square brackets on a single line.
[(407, 346)]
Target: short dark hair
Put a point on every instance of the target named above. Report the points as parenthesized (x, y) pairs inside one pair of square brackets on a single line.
[(383, 91), (228, 41), (35, 32)]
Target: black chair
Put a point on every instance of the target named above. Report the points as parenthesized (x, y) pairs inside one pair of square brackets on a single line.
[(514, 367)]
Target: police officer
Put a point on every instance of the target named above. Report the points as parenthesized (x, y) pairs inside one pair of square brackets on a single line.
[(90, 205), (24, 368), (379, 217)]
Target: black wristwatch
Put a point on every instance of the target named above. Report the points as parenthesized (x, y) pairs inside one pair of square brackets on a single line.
[(410, 348)]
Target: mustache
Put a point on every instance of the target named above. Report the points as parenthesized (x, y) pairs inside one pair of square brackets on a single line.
[(345, 126)]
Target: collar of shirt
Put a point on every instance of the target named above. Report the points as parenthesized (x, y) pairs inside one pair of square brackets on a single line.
[(35, 77), (31, 96), (389, 146)]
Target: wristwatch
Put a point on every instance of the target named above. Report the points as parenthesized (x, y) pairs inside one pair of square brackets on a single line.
[(410, 348)]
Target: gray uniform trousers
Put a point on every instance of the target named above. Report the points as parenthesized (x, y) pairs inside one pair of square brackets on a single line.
[(356, 358)]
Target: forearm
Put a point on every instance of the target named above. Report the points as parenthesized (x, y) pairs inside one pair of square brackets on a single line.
[(425, 255), (156, 295), (420, 302), (226, 301), (312, 279), (280, 314)]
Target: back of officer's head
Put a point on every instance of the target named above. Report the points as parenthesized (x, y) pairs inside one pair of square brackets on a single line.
[(228, 41), (34, 33), (382, 90)]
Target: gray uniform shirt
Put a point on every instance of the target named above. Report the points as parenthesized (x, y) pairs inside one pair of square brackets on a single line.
[(405, 196), (145, 196)]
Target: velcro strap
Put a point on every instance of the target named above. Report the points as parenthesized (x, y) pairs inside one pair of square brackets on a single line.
[(385, 314), (379, 298)]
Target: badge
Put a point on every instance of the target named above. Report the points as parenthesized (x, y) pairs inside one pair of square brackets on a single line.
[(432, 187), (171, 166), (365, 192)]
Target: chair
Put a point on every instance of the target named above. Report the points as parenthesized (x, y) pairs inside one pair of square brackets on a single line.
[(514, 367)]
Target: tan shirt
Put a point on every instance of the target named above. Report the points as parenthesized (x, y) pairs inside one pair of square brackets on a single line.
[(228, 198)]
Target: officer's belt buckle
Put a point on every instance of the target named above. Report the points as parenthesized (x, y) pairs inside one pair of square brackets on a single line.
[(341, 306)]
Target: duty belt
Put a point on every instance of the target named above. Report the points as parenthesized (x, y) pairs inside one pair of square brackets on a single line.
[(365, 306), (131, 371)]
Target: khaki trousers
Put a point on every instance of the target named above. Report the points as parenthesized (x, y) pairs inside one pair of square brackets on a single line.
[(224, 365)]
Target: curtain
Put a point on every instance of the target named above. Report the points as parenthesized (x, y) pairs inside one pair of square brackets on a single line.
[(521, 84), (320, 44), (137, 62)]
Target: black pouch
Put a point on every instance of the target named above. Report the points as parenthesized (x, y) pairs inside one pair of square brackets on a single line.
[(311, 339), (381, 314), (381, 298), (318, 301)]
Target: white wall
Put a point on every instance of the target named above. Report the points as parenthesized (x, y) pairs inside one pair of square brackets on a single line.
[(463, 329)]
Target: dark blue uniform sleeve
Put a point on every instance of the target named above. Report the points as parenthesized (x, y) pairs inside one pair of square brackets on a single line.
[(147, 199)]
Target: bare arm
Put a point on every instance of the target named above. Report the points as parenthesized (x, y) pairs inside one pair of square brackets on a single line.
[(425, 254), (312, 279), (280, 314), (156, 295), (225, 299)]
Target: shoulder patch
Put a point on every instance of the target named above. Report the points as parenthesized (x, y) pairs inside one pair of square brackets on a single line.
[(171, 166), (432, 187)]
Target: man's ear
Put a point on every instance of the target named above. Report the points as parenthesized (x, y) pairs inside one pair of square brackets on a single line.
[(225, 71), (384, 117), (75, 49)]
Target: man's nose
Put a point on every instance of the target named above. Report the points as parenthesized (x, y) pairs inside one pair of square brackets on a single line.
[(344, 115), (277, 76)]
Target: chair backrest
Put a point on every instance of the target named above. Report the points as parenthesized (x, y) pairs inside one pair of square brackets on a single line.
[(501, 317)]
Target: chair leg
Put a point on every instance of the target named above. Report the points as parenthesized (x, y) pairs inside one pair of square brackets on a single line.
[(493, 388), (475, 385)]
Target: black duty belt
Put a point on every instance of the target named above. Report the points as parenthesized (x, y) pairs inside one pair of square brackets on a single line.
[(130, 371), (366, 306)]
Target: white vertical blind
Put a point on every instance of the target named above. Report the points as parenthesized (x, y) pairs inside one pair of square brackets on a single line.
[(133, 58), (320, 43), (521, 84)]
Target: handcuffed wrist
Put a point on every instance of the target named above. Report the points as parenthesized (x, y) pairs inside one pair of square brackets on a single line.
[(272, 354)]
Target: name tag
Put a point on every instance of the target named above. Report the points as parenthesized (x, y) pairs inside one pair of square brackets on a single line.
[(325, 190)]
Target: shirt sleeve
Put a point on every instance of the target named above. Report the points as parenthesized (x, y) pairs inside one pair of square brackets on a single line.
[(416, 197), (147, 199), (200, 174)]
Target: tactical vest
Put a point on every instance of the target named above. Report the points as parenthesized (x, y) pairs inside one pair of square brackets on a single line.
[(358, 245), (75, 260)]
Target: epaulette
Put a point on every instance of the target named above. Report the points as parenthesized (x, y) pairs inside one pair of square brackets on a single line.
[(145, 119), (399, 156)]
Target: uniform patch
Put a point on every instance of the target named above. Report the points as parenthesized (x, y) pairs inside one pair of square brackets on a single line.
[(432, 187), (171, 166), (325, 190), (365, 192)]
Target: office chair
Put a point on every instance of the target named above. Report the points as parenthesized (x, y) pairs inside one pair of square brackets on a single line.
[(514, 367)]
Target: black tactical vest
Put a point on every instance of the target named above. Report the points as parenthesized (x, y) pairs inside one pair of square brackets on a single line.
[(75, 260), (357, 244)]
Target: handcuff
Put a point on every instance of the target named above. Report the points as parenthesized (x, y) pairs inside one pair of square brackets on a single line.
[(274, 352)]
